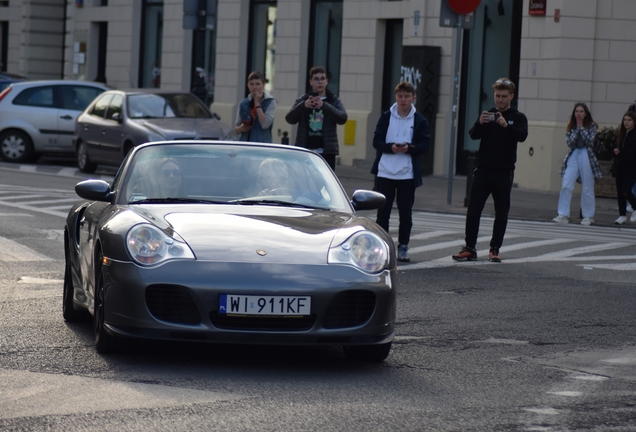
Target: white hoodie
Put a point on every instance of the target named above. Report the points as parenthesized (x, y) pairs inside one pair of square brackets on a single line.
[(398, 166)]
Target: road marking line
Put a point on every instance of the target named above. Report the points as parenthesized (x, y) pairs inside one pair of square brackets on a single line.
[(11, 251), (26, 394)]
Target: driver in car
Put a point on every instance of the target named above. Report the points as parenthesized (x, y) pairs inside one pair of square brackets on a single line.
[(273, 178)]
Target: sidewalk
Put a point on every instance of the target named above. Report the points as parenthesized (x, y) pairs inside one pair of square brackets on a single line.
[(525, 204)]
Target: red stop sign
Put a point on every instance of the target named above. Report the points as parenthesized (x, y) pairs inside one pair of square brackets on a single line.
[(463, 7)]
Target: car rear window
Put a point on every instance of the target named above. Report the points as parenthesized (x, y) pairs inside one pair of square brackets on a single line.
[(35, 96)]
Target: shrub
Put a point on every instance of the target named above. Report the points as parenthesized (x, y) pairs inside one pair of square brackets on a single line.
[(604, 143)]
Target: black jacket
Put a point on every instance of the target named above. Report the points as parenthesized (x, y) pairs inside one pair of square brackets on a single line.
[(419, 146), (626, 159), (334, 113), (498, 146)]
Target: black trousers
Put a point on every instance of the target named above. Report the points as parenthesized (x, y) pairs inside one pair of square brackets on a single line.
[(331, 160), (405, 192), (625, 180), (485, 183)]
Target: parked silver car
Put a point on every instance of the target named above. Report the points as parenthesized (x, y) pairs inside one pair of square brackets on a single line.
[(39, 116), (119, 120)]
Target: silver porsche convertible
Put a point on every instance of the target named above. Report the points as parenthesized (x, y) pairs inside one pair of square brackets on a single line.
[(231, 243)]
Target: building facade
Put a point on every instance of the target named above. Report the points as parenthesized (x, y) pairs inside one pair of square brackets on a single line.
[(558, 52)]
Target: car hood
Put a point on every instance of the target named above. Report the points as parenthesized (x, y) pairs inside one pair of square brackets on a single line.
[(186, 128), (261, 234)]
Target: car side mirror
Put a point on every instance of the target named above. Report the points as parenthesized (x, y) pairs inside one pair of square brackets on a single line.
[(94, 190), (117, 117), (367, 200)]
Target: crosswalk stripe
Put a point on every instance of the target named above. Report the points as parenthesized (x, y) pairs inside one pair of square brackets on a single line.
[(560, 255), (445, 245)]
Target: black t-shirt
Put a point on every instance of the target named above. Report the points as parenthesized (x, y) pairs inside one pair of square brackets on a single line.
[(315, 121)]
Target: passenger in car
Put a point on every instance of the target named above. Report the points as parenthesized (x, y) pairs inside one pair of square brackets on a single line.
[(168, 178)]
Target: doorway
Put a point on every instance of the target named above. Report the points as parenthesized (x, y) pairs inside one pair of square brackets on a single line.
[(491, 50)]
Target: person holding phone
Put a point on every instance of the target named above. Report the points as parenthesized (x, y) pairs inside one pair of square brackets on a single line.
[(401, 137), (317, 113), (579, 163), (499, 130), (255, 115)]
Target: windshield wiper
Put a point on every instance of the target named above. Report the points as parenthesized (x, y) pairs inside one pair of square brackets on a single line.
[(249, 201), (177, 200)]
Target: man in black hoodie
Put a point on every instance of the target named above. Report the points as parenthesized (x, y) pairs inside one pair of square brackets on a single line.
[(500, 129)]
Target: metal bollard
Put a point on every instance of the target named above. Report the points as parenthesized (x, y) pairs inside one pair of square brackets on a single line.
[(471, 164), (285, 138)]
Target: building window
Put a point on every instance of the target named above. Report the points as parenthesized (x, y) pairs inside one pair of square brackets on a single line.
[(262, 41), (4, 45), (151, 44), (325, 35), (392, 61)]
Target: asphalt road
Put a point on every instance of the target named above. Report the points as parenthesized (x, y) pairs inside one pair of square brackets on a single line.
[(544, 341)]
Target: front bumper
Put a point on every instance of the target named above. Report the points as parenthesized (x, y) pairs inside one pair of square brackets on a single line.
[(186, 307)]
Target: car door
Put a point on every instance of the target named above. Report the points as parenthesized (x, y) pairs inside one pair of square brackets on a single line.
[(36, 110), (92, 127), (112, 131), (73, 100)]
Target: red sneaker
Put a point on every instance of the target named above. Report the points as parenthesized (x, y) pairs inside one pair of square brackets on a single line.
[(466, 254), (493, 256)]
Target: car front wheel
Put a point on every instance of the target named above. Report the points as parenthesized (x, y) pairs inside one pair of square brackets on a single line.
[(69, 312), (369, 353), (83, 161), (15, 146), (104, 342)]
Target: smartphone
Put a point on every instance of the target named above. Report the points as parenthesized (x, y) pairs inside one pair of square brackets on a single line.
[(313, 94), (247, 123), (491, 117), (400, 144)]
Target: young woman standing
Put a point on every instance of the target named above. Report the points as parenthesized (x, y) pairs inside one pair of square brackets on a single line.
[(579, 162), (625, 152)]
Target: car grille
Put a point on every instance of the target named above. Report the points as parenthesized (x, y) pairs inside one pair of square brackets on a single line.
[(173, 304), (262, 323), (349, 309)]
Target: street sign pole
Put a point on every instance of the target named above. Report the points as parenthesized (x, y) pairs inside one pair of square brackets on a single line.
[(453, 139)]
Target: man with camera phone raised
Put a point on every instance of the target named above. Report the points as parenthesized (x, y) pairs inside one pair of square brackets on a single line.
[(500, 129)]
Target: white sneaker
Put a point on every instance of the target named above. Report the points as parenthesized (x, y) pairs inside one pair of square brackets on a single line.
[(561, 219), (632, 218), (621, 220), (587, 221), (629, 208)]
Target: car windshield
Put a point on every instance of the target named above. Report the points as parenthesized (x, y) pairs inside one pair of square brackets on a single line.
[(183, 105), (233, 175)]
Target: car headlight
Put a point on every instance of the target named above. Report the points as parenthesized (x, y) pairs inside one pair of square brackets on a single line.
[(148, 245), (363, 249)]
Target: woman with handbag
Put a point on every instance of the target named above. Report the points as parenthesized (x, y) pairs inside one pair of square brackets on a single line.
[(625, 152), (579, 163)]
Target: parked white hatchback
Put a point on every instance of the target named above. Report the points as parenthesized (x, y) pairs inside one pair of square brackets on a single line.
[(39, 116)]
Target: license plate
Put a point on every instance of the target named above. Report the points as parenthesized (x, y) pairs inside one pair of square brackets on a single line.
[(264, 305)]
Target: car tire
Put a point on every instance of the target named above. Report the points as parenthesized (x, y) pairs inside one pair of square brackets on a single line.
[(83, 161), (69, 312), (15, 146), (104, 342), (368, 353)]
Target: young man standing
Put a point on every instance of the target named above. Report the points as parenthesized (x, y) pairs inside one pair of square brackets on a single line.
[(401, 137), (500, 129), (317, 114), (255, 115)]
